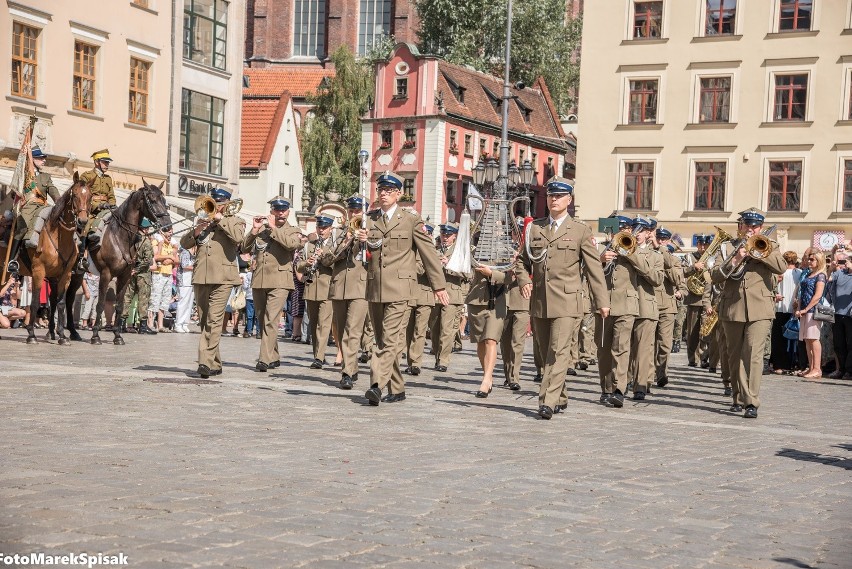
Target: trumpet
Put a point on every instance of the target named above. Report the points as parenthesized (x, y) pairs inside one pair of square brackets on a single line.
[(623, 243)]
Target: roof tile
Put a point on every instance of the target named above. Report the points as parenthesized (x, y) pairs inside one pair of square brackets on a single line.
[(272, 81)]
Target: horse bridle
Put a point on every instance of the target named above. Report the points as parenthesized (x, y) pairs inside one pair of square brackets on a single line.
[(127, 226), (72, 226)]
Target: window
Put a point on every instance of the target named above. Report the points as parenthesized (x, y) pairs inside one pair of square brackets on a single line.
[(638, 185), (795, 15), (468, 145), (785, 185), (643, 101), (450, 191), (387, 139), (534, 162), (549, 170), (401, 88), (715, 102), (521, 153), (849, 107), (408, 189), (710, 181), (495, 149), (791, 97), (721, 17), (482, 144), (205, 31), (847, 185), (454, 142), (84, 77), (410, 137), (374, 22), (202, 132), (24, 60), (309, 28), (287, 155), (648, 20), (288, 125), (138, 105)]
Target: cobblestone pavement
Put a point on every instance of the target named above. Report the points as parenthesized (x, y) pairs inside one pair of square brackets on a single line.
[(103, 449)]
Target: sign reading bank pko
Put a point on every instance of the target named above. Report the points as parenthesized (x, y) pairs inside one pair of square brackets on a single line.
[(187, 186)]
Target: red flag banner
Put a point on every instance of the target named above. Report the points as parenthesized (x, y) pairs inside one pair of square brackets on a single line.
[(24, 170)]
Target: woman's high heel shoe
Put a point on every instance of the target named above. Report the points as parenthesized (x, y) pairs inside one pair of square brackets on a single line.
[(484, 394)]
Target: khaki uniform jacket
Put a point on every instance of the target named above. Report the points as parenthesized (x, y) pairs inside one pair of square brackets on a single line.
[(425, 296), (623, 283), (673, 282), (557, 288), (392, 272), (348, 274), (457, 285), (514, 299), (274, 260), (753, 297), (319, 288), (483, 290), (102, 187), (688, 270), (44, 185), (216, 259), (649, 282)]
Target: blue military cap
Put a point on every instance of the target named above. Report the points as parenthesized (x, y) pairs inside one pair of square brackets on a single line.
[(752, 216), (389, 180), (643, 222), (324, 221), (220, 194), (355, 202), (653, 222), (559, 186), (279, 204), (663, 233), (449, 228), (623, 220), (701, 239), (37, 153), (429, 229)]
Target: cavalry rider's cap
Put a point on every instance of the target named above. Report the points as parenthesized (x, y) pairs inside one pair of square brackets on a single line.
[(643, 222), (389, 180), (449, 228), (752, 216), (663, 233), (355, 202), (37, 153), (278, 204), (324, 221), (145, 223), (220, 195), (557, 186), (101, 155)]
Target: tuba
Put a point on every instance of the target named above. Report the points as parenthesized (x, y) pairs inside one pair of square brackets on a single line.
[(696, 283)]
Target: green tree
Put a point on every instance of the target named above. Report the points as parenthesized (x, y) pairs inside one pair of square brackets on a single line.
[(331, 138), (474, 33)]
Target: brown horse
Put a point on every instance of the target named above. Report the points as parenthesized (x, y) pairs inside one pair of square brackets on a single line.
[(56, 253), (116, 255)]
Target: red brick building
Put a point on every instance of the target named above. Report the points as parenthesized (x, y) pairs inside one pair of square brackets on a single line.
[(433, 120)]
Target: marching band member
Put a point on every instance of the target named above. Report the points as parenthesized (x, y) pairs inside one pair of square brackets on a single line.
[(645, 324), (317, 277), (393, 236), (514, 335), (348, 293), (418, 322), (747, 307), (274, 240), (556, 245), (446, 322), (695, 349), (669, 292), (214, 275), (486, 303)]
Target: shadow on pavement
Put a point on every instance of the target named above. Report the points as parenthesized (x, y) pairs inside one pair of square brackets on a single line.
[(844, 463)]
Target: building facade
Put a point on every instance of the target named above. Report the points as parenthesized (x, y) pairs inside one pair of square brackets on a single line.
[(695, 110), (433, 121)]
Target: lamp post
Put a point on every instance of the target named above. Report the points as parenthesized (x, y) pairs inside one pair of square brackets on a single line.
[(501, 185), (363, 157), (526, 175)]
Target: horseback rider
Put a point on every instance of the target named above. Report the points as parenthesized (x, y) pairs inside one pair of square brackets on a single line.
[(30, 222), (103, 201)]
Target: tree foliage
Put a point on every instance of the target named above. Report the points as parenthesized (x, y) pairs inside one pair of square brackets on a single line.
[(474, 33), (331, 138)]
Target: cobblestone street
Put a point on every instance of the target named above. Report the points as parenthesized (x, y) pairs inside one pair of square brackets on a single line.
[(113, 449)]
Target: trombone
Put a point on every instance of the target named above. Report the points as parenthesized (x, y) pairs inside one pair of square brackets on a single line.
[(757, 246)]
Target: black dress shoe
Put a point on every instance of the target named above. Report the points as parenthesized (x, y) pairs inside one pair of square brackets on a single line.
[(316, 364), (538, 378), (662, 381), (617, 399), (394, 397), (676, 347), (728, 392), (412, 370), (571, 371), (705, 364), (456, 350), (605, 397), (736, 408), (441, 368), (261, 367), (512, 385), (273, 365), (363, 358), (346, 382), (711, 369), (204, 371), (559, 408), (750, 412), (583, 366), (216, 371), (692, 364), (638, 395), (484, 394), (373, 395), (545, 412)]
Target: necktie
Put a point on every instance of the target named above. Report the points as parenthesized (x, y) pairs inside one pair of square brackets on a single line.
[(386, 217), (553, 227)]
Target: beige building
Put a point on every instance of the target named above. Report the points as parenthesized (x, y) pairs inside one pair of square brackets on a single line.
[(693, 110), (110, 78)]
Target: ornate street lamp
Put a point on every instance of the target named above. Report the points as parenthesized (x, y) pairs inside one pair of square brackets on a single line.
[(492, 171), (527, 173), (514, 175), (479, 174)]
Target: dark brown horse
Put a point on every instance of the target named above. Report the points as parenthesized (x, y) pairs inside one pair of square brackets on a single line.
[(56, 253), (116, 256)]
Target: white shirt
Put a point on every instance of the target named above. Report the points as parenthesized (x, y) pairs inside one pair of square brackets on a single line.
[(390, 212), (558, 222)]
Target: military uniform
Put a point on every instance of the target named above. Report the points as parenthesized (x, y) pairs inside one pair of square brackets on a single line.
[(35, 200), (271, 282), (393, 239), (446, 321), (418, 322), (746, 310), (514, 335), (668, 307), (316, 295), (586, 335), (556, 303), (642, 359), (695, 349), (140, 282), (214, 275)]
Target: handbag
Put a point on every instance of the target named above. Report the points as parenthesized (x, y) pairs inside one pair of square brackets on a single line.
[(791, 329), (238, 302), (824, 312)]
